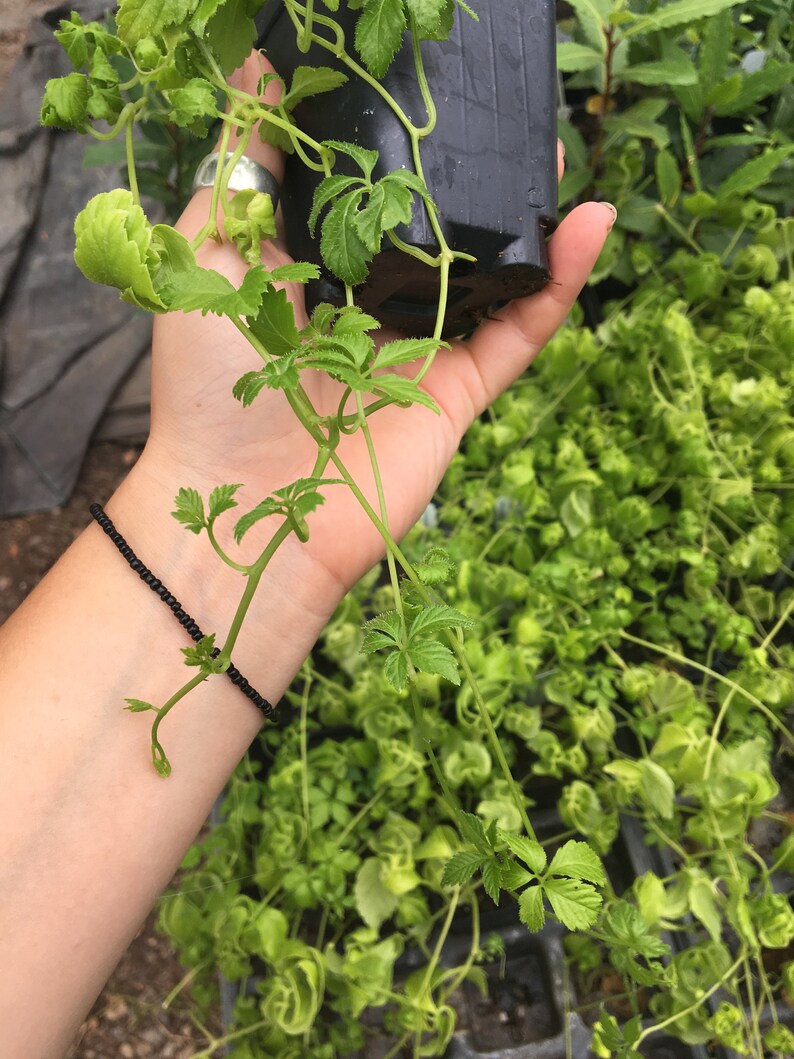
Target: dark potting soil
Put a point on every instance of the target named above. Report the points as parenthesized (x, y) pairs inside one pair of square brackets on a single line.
[(519, 1007)]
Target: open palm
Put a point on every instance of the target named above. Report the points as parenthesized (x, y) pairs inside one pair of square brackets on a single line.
[(206, 431)]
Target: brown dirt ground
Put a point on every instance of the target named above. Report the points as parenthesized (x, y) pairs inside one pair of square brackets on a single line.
[(128, 1019)]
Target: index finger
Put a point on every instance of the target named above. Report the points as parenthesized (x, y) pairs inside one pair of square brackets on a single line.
[(247, 79)]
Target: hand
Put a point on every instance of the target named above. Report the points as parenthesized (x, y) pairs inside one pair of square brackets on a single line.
[(207, 437), (101, 833)]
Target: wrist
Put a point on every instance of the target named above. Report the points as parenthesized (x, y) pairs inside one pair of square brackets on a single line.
[(293, 601)]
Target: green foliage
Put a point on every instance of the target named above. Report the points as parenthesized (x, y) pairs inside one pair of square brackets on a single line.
[(674, 127), (293, 503), (617, 530)]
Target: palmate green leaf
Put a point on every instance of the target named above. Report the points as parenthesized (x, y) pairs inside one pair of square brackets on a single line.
[(472, 830), (404, 350), (222, 499), (530, 908), (139, 706), (137, 19), (446, 21), (369, 222), (427, 14), (327, 190), (207, 291), (354, 347), (343, 251), (337, 364), (679, 13), (280, 374), (249, 386), (385, 630), (651, 897), (430, 657), (100, 70), (398, 203), (396, 670), (269, 506), (404, 391), (113, 238), (436, 567), (363, 157), (82, 40), (527, 850), (461, 868), (201, 654), (295, 272), (437, 619), (514, 877), (407, 178), (194, 100), (65, 102), (322, 319), (379, 33), (575, 904), (492, 878), (576, 511), (311, 81), (190, 510), (577, 860), (274, 323), (204, 11), (616, 1040), (352, 321), (105, 102), (303, 488)]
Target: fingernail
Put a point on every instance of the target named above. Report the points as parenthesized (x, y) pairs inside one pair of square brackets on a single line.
[(561, 146), (612, 211)]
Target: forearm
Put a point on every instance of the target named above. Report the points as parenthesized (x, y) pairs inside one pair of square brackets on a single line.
[(89, 833)]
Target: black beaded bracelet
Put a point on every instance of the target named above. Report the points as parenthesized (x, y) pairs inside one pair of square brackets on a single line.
[(184, 619)]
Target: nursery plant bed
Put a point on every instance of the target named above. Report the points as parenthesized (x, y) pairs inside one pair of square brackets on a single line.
[(532, 1008)]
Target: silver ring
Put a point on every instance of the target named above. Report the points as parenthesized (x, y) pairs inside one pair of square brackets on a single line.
[(246, 174)]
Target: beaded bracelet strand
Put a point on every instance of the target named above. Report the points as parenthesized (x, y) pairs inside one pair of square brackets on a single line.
[(188, 624)]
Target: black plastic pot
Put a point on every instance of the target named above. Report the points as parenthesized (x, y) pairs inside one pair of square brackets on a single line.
[(490, 163)]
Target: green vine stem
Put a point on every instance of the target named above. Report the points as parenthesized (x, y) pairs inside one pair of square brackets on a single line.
[(131, 172), (212, 223), (659, 1026)]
